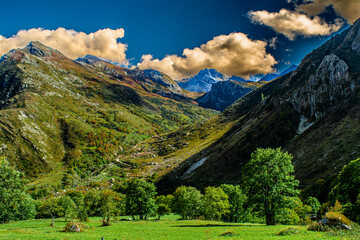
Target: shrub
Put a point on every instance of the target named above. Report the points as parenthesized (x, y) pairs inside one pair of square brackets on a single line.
[(288, 216), (318, 227), (335, 218)]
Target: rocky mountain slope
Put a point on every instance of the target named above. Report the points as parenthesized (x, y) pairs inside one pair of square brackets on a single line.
[(59, 115), (312, 112), (225, 93)]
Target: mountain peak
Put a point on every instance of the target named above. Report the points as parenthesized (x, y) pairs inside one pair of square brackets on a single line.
[(38, 49), (89, 59)]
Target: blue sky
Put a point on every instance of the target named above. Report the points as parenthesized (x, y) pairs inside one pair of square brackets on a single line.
[(160, 27)]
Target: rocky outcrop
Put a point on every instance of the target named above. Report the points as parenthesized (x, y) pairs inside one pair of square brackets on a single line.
[(330, 85)]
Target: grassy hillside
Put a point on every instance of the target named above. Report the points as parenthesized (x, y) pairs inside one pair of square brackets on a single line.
[(61, 115)]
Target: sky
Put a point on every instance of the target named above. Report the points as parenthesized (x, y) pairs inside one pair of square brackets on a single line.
[(242, 38)]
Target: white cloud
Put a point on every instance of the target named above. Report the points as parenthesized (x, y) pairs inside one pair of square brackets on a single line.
[(102, 43), (272, 42), (233, 54), (348, 9), (291, 23)]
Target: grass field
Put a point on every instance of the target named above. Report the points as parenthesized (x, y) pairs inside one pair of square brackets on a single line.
[(167, 228)]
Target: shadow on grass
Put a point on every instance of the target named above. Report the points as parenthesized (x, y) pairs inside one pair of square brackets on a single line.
[(218, 225)]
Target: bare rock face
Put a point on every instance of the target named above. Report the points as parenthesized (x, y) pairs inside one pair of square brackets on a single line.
[(327, 87), (353, 37)]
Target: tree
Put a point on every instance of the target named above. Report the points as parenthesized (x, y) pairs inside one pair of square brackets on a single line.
[(78, 198), (237, 200), (140, 198), (314, 204), (68, 207), (187, 202), (163, 204), (107, 205), (215, 203), (268, 180), (50, 207), (15, 204), (348, 187)]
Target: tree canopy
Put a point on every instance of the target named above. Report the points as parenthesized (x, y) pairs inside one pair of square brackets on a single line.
[(15, 204), (268, 180), (140, 198)]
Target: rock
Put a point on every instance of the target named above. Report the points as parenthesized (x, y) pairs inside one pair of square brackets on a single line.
[(330, 84), (75, 228)]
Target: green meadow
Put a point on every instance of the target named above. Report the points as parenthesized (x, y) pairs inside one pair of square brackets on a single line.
[(167, 228)]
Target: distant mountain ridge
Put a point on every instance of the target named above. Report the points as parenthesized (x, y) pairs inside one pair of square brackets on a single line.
[(202, 81), (272, 76), (225, 93)]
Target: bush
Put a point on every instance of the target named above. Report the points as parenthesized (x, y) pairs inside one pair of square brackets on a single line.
[(318, 227), (288, 216), (336, 218)]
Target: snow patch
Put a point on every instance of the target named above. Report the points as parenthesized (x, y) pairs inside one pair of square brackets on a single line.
[(193, 167), (304, 124)]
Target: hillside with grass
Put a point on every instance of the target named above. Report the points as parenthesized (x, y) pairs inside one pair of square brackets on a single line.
[(59, 116)]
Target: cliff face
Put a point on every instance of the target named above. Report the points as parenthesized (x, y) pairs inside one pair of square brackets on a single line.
[(328, 86)]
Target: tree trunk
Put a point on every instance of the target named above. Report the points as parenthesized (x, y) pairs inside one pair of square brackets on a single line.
[(53, 220)]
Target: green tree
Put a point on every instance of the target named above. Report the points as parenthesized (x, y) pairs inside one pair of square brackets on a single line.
[(215, 203), (348, 187), (50, 208), (78, 198), (187, 202), (163, 205), (237, 200), (268, 179), (68, 207), (140, 198), (314, 204), (107, 205), (15, 204)]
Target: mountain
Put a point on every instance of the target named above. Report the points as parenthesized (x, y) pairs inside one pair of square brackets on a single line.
[(272, 76), (313, 113), (225, 93), (203, 81), (238, 79), (59, 116)]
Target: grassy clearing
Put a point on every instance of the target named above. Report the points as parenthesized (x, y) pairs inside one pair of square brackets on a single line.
[(167, 228)]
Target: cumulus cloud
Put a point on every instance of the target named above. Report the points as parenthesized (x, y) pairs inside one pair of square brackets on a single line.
[(233, 54), (292, 23), (102, 43), (348, 9)]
